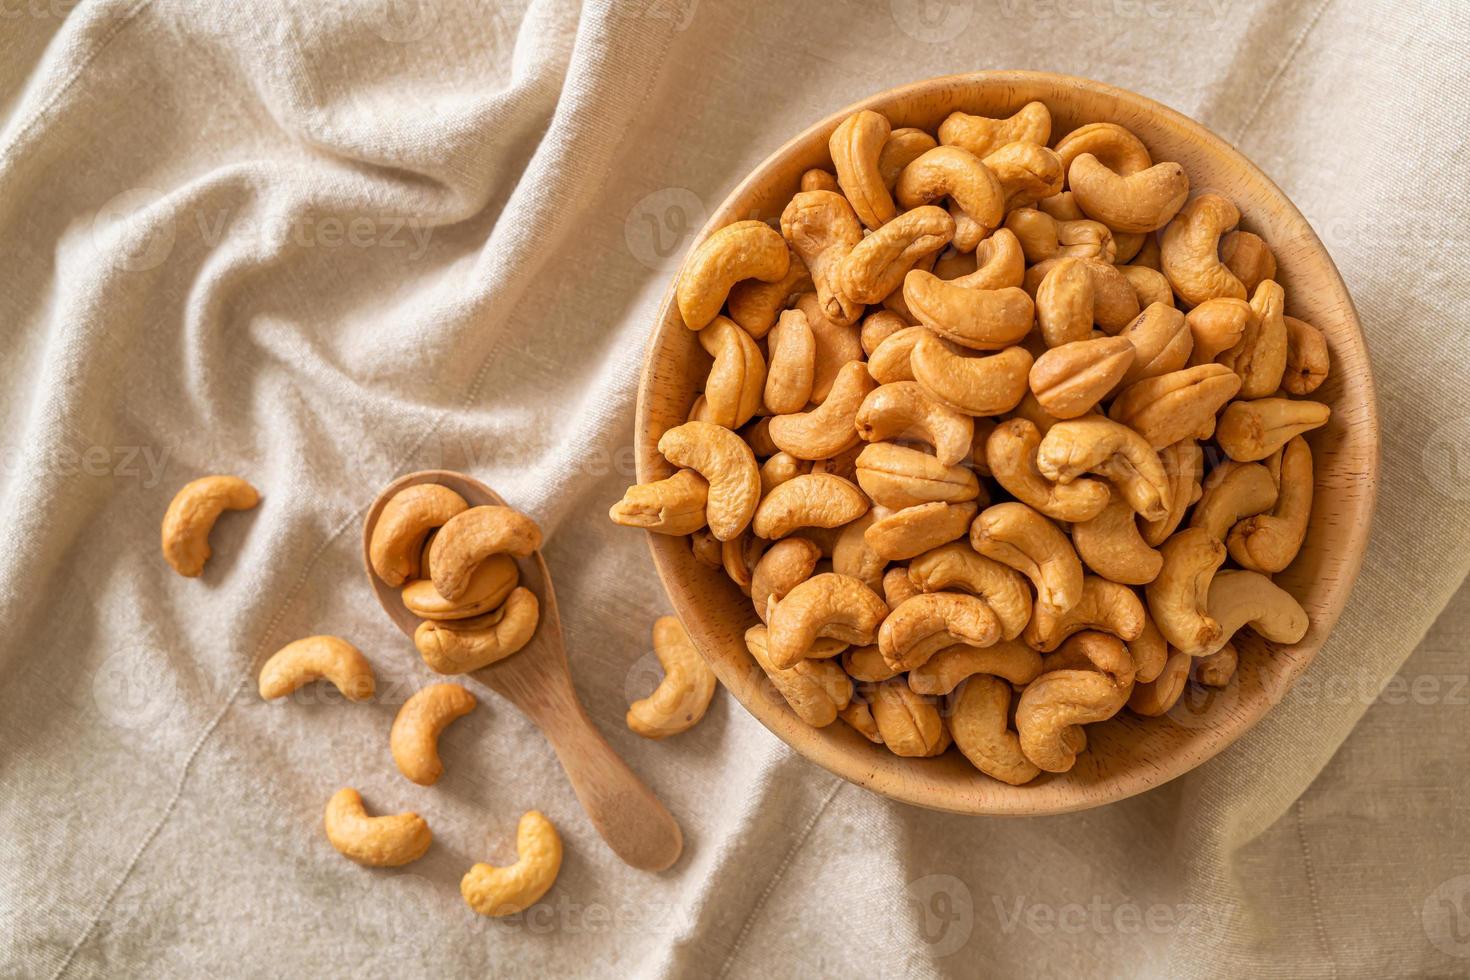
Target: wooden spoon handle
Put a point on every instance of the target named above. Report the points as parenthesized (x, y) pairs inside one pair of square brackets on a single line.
[(638, 828)]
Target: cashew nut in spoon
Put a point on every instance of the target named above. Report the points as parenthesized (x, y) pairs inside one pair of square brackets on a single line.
[(683, 694), (1189, 251), (810, 500), (816, 690), (1178, 597), (473, 535), (737, 380), (743, 250), (909, 724), (822, 228), (397, 543), (1240, 598), (829, 428), (376, 842), (982, 319), (914, 530), (460, 646), (981, 135), (1021, 538), (825, 605), (670, 506), (968, 384), (414, 738), (1252, 430), (979, 721), (1176, 406), (897, 476), (927, 623), (1010, 453), (1102, 446), (727, 465), (495, 892), (1111, 545), (945, 670), (490, 582), (1104, 606), (903, 410), (1138, 202), (958, 566), (191, 516), (1270, 540), (313, 658)]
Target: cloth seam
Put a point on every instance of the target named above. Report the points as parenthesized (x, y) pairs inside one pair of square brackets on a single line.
[(1319, 926), (769, 890), (1285, 63)]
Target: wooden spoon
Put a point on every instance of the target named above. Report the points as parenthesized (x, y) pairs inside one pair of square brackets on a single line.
[(536, 680)]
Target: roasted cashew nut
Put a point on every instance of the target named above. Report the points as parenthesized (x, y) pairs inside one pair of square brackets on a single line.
[(830, 605), (470, 537), (945, 670), (816, 690), (892, 360), (877, 327), (979, 720), (1184, 466), (927, 623), (866, 665), (897, 589), (397, 543), (1189, 251), (903, 410), (982, 319), (1179, 405), (970, 385), (1112, 145), (981, 135), (460, 646), (1036, 232), (736, 381), (1055, 706), (1158, 696), (828, 429), (755, 305), (1249, 257), (1010, 453), (313, 658), (792, 369), (810, 500), (823, 229), (1102, 446), (852, 557), (859, 715), (1139, 202), (496, 891), (1150, 652), (914, 530), (1069, 380), (1241, 598), (896, 476), (683, 695), (1086, 239), (1021, 538), (1149, 285), (1233, 492), (1111, 545), (958, 566), (909, 723), (726, 463), (1161, 336), (857, 147), (671, 506), (877, 265), (1104, 606), (375, 842), (490, 582), (948, 171), (784, 566), (1065, 303), (414, 738), (1260, 355), (836, 345), (1218, 668), (191, 516), (1178, 598), (1251, 431), (1270, 541), (743, 250), (1217, 325), (1027, 172), (1092, 650), (1307, 360)]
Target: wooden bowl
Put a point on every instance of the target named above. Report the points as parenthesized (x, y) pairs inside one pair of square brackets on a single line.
[(1127, 754)]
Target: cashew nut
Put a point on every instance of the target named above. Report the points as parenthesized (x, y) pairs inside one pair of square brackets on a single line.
[(979, 720), (1070, 379), (983, 319), (859, 716), (1189, 251), (1249, 257), (1093, 650), (1307, 360), (1111, 545), (1149, 285), (1184, 466), (1218, 668), (460, 646), (819, 180), (755, 305), (815, 689), (877, 327), (496, 891), (1149, 650), (1156, 697), (671, 506), (743, 250), (739, 556), (810, 500), (1113, 145), (980, 134), (733, 389), (1176, 406), (312, 658), (927, 623), (473, 535), (999, 263), (1243, 598), (1139, 202), (892, 360), (944, 671), (1098, 445), (784, 566), (902, 148), (1086, 239), (967, 384), (1035, 232), (414, 739), (1253, 430), (1233, 492), (490, 582), (191, 516), (1260, 355), (1178, 598), (1104, 606), (896, 477), (829, 428), (877, 265), (823, 229), (897, 587), (1011, 456), (1027, 172), (851, 555), (909, 723), (726, 463), (1055, 706), (911, 531), (903, 410), (683, 695), (1270, 540), (398, 538), (1163, 341), (957, 565), (1216, 326), (376, 842), (1021, 538), (856, 147), (948, 171), (831, 605)]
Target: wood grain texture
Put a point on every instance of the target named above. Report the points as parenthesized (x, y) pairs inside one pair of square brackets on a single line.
[(537, 680), (1126, 755)]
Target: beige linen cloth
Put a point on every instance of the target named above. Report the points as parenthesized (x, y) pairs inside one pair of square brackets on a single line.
[(319, 244)]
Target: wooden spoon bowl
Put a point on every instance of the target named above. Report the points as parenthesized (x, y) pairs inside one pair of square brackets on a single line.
[(1127, 754), (536, 680)]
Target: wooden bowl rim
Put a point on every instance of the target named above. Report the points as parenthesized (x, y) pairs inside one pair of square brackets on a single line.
[(847, 754)]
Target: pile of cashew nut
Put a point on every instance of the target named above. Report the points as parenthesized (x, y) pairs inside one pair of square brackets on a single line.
[(1000, 435)]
